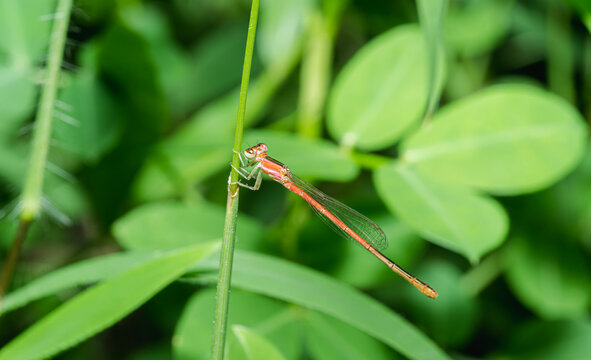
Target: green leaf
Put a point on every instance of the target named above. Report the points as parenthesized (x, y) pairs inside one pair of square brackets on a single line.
[(178, 163), (78, 274), (91, 120), (507, 139), (126, 60), (217, 63), (12, 167), (293, 283), (450, 216), (404, 247), (168, 225), (189, 79), (328, 338), (550, 277), (17, 92), (549, 341), (192, 155), (24, 30), (263, 274), (382, 91), (101, 306), (203, 146), (282, 27), (488, 21), (452, 319), (274, 320), (252, 346), (306, 157)]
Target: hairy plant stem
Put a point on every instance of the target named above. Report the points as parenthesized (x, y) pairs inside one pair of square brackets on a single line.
[(31, 198), (229, 237), (30, 204)]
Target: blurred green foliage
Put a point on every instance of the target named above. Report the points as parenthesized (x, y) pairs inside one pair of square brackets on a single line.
[(459, 126)]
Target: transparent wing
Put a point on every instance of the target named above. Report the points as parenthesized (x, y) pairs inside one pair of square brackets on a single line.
[(360, 224)]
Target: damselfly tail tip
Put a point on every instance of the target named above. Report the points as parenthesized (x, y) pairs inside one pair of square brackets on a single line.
[(429, 292), (424, 288)]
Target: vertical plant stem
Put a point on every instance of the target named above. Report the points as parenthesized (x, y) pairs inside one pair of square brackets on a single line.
[(482, 275), (314, 76), (586, 94), (15, 250), (229, 237), (32, 192), (31, 198)]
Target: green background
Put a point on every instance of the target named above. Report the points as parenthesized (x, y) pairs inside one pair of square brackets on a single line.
[(460, 127)]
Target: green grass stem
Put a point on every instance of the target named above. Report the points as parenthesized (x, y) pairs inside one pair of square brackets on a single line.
[(32, 193), (30, 204), (229, 237)]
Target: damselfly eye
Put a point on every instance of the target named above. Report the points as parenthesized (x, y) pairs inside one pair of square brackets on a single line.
[(249, 153)]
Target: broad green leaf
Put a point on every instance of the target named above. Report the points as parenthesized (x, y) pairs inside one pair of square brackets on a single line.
[(177, 164), (306, 157), (507, 139), (488, 21), (17, 92), (217, 63), (126, 63), (548, 341), (24, 33), (450, 216), (126, 60), (328, 338), (89, 121), (168, 225), (550, 277), (274, 320), (272, 277), (404, 246), (204, 145), (101, 306), (12, 167), (282, 26), (249, 345), (172, 66), (382, 91), (79, 274), (189, 79), (24, 30), (452, 319), (296, 284)]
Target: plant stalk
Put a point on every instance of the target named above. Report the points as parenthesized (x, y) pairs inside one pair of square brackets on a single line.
[(229, 237), (31, 197), (11, 261), (32, 192)]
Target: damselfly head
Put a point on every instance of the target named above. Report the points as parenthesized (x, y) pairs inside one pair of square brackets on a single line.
[(254, 151)]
